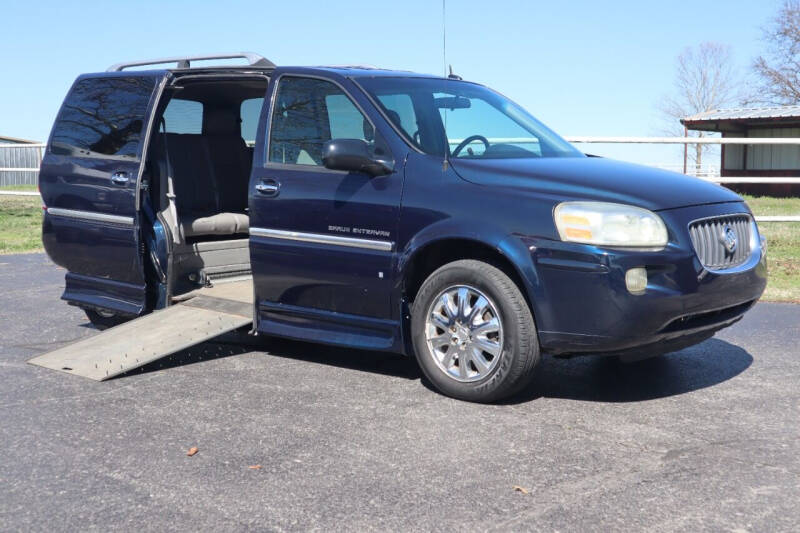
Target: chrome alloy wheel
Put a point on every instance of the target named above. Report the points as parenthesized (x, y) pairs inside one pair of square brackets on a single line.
[(464, 333)]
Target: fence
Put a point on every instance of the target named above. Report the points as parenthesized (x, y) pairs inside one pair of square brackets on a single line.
[(704, 171), (19, 163), (712, 140)]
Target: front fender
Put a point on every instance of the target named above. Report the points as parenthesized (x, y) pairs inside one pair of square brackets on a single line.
[(513, 248)]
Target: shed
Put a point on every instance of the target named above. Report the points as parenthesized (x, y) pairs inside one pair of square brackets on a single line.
[(747, 160), (18, 153)]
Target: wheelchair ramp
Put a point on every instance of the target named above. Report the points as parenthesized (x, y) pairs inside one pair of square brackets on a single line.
[(210, 313)]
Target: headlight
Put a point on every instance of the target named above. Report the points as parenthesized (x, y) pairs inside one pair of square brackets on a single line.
[(609, 224)]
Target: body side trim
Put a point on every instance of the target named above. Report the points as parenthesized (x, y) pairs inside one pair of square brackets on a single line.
[(321, 238), (89, 215)]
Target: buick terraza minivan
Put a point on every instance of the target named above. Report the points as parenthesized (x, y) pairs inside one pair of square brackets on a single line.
[(385, 210)]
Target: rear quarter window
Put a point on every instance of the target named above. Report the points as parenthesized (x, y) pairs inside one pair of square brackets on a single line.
[(183, 116), (250, 112), (103, 116)]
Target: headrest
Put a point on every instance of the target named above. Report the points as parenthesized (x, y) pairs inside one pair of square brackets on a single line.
[(220, 121), (394, 116)]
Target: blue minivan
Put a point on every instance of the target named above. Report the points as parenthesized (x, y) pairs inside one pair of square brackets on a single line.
[(384, 210)]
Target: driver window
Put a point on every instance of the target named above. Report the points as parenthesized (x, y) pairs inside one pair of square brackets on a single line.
[(308, 113), (496, 127), (400, 110)]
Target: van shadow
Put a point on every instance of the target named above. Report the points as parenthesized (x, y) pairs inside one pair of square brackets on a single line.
[(239, 342), (594, 379), (606, 379)]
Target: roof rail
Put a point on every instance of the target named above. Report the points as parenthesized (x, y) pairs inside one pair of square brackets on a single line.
[(253, 60)]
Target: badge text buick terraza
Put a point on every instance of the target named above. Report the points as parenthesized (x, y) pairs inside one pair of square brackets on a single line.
[(386, 211)]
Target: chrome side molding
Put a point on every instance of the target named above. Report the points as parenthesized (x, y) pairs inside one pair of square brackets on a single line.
[(90, 215), (321, 238)]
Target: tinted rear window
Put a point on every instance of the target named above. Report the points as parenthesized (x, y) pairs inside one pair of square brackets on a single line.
[(103, 116), (183, 116)]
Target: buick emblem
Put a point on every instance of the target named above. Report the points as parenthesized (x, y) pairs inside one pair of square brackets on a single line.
[(729, 239)]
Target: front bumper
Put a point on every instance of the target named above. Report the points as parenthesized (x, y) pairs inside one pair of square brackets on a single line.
[(586, 307)]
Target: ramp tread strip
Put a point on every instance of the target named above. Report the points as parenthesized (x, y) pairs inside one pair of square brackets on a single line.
[(140, 341)]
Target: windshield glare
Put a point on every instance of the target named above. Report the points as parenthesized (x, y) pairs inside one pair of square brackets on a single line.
[(457, 119)]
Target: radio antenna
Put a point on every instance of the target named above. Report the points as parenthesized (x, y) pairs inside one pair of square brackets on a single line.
[(444, 37)]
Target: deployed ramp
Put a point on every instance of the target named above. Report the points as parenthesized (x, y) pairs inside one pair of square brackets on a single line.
[(210, 312)]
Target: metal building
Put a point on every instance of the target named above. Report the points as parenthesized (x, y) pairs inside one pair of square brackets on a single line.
[(19, 161), (748, 160)]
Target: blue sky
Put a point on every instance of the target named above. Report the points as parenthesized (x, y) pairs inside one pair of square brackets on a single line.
[(582, 67)]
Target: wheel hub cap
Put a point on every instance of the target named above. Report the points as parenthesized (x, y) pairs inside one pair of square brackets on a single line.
[(464, 333)]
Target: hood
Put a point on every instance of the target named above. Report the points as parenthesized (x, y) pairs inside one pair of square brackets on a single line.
[(594, 178)]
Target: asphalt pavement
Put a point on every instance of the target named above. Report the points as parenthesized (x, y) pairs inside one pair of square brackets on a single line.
[(295, 436)]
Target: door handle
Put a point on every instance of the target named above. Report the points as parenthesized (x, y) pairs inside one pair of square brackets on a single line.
[(268, 188), (119, 178)]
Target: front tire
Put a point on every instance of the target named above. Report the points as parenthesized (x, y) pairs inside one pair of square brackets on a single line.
[(473, 332)]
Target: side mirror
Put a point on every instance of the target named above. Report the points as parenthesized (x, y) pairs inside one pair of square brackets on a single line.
[(353, 155)]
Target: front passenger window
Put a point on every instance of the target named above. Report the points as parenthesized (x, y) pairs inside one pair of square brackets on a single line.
[(309, 112)]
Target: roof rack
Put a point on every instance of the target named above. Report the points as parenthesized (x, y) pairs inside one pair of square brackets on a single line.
[(253, 60), (363, 67)]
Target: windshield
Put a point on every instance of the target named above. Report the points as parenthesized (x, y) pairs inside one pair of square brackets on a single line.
[(463, 120)]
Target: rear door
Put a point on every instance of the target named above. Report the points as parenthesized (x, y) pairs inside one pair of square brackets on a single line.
[(322, 241), (89, 182)]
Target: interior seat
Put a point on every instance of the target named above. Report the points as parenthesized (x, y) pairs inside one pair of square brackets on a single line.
[(231, 160), (219, 224), (210, 175)]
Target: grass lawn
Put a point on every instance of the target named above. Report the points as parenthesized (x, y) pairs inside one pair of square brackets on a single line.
[(21, 226), (783, 246), (27, 188), (768, 206), (783, 260)]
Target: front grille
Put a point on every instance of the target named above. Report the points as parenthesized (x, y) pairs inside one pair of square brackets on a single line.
[(709, 240)]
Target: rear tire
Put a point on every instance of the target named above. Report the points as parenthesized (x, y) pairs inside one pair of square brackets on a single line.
[(104, 319), (473, 332)]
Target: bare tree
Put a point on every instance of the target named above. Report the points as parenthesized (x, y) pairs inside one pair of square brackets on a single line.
[(779, 70), (704, 80)]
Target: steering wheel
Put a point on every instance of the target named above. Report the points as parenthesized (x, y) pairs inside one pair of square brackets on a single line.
[(463, 144)]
